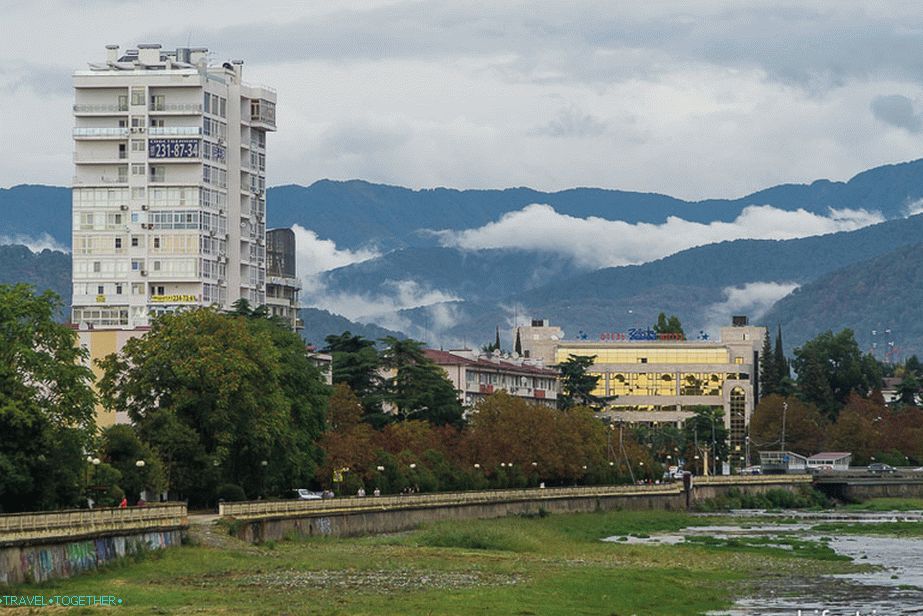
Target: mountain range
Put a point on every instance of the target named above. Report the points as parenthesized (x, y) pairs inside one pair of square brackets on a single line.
[(401, 276), (356, 213)]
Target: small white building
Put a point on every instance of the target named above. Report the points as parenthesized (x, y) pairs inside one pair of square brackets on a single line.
[(783, 462), (830, 460)]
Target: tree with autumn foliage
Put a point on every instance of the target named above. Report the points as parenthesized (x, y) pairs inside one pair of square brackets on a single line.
[(348, 442), (902, 435), (506, 435), (805, 427), (858, 429)]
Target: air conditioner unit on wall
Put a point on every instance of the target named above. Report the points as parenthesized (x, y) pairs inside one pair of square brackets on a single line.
[(123, 207), (144, 207), (144, 272)]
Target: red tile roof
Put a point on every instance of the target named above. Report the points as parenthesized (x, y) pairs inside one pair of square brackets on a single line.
[(444, 358), (829, 455)]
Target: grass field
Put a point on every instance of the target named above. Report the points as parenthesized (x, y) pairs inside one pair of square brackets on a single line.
[(888, 504), (543, 565)]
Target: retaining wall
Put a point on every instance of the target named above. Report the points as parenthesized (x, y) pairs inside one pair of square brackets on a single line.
[(265, 521), (45, 545), (858, 489)]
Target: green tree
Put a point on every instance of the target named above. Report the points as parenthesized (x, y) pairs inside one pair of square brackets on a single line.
[(490, 347), (356, 363), (830, 367), (418, 388), (518, 346), (47, 415), (908, 389), (669, 325), (306, 394), (213, 395), (780, 363), (577, 385), (705, 433), (122, 449), (769, 383), (913, 366)]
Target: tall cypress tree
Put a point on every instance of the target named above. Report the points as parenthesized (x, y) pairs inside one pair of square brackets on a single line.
[(779, 362), (769, 381), (518, 346), (497, 340)]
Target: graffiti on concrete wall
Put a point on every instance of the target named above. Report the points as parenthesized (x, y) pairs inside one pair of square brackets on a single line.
[(323, 526), (44, 562)]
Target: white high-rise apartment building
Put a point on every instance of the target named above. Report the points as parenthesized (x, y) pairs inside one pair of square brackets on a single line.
[(169, 197)]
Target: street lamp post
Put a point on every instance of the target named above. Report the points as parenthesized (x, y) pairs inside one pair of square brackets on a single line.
[(86, 479), (95, 462), (139, 464), (263, 465)]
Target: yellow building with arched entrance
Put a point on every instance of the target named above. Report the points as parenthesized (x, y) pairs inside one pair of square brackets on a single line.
[(659, 380)]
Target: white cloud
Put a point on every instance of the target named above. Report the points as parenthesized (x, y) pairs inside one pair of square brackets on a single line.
[(715, 102), (314, 255), (913, 208), (381, 308), (753, 299), (597, 242), (35, 244)]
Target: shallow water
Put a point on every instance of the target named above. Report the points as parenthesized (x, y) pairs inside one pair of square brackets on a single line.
[(895, 586)]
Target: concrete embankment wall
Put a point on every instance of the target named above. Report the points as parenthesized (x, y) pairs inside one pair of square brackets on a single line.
[(857, 490), (37, 547), (257, 522)]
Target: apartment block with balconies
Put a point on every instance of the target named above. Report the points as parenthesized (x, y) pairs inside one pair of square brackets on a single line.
[(169, 200)]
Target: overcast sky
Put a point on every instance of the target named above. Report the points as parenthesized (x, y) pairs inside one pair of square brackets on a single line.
[(696, 100)]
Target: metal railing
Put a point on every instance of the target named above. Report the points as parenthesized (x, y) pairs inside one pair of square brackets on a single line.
[(83, 131), (258, 509), (18, 527), (751, 479), (255, 509), (101, 158), (187, 107), (100, 180), (106, 108), (174, 130)]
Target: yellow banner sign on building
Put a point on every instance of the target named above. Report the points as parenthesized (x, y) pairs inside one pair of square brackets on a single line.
[(171, 299)]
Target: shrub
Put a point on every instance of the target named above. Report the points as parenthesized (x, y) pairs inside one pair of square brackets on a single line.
[(230, 492)]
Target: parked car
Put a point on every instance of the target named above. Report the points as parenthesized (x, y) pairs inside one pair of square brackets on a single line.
[(673, 473), (751, 470), (303, 494), (880, 467)]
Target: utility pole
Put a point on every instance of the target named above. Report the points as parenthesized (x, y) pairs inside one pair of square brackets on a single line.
[(695, 446), (631, 473), (784, 411)]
